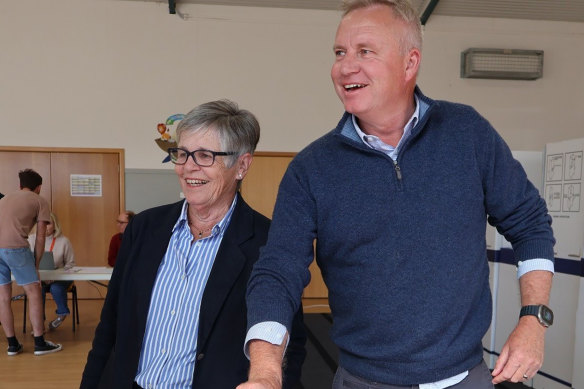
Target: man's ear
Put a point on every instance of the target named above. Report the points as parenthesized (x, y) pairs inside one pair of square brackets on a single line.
[(412, 65)]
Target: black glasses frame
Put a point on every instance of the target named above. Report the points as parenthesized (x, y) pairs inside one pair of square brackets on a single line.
[(192, 155)]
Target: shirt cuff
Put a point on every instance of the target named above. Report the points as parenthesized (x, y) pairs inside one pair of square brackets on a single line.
[(269, 331), (534, 264)]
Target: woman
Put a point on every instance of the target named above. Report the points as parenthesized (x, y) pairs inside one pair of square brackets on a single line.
[(175, 310), (64, 257)]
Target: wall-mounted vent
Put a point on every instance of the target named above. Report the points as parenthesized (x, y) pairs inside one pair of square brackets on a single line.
[(504, 64)]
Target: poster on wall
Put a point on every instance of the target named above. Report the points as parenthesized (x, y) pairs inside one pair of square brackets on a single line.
[(563, 195), (85, 185)]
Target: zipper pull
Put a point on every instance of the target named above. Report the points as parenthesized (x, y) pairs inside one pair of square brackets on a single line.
[(397, 170)]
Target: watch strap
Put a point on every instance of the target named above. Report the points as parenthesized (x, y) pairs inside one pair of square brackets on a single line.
[(529, 310)]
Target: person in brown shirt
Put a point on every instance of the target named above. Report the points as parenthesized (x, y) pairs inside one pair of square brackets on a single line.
[(21, 211)]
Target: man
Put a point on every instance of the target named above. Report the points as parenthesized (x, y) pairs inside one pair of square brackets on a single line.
[(116, 240), (20, 212), (397, 198)]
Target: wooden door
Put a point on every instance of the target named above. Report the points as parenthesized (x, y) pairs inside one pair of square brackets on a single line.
[(260, 189), (88, 221)]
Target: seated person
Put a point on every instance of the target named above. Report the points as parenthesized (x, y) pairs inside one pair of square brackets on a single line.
[(123, 220), (64, 257)]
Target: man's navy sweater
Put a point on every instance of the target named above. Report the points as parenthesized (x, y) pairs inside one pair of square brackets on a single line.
[(401, 245)]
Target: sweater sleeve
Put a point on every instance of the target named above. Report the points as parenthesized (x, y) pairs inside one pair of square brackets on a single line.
[(280, 275), (513, 203)]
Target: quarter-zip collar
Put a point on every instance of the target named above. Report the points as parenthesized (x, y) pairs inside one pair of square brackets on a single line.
[(349, 128)]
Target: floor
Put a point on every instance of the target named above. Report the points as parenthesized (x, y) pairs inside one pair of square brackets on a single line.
[(60, 370)]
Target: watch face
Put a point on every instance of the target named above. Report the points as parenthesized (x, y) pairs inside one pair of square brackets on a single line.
[(547, 316)]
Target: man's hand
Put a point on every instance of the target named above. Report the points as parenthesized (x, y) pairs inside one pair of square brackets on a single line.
[(522, 354), (265, 370)]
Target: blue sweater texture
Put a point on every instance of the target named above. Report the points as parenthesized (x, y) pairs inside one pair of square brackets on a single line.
[(401, 246)]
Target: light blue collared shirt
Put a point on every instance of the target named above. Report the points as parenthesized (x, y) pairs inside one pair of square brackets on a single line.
[(167, 358)]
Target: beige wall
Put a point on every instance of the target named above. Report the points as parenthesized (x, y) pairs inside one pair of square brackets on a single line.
[(103, 73)]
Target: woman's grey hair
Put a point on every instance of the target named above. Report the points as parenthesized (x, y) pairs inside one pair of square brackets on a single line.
[(402, 9), (238, 129)]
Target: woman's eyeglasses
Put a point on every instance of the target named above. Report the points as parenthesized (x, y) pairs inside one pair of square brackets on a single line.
[(201, 157)]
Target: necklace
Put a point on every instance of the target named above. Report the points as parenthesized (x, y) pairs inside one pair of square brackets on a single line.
[(200, 232)]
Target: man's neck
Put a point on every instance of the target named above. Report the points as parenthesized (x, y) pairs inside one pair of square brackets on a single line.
[(388, 126)]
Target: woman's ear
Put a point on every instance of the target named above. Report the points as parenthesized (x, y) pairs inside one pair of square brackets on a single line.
[(243, 164)]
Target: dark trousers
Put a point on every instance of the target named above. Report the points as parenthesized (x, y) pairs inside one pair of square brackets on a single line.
[(479, 377)]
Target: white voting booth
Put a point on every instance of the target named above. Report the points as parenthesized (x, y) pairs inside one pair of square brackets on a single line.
[(557, 173), (563, 188)]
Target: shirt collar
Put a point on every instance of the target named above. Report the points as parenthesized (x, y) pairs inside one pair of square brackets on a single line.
[(375, 143)]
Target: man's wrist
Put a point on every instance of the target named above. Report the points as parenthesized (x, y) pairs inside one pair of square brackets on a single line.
[(266, 363), (543, 314)]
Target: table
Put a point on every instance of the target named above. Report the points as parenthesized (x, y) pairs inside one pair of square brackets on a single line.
[(78, 273)]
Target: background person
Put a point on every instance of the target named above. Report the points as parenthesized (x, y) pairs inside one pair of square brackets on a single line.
[(397, 197), (64, 257), (116, 240), (20, 211), (175, 308)]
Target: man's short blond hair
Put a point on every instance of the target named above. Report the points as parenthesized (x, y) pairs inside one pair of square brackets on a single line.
[(403, 10)]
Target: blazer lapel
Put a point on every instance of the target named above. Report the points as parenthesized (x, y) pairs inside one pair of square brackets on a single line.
[(228, 265)]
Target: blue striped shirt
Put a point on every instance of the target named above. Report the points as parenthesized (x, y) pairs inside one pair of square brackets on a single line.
[(167, 358)]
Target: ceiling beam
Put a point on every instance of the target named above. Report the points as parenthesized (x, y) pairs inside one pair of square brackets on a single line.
[(172, 7), (428, 11)]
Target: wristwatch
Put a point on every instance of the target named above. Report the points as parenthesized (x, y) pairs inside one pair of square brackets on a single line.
[(543, 314)]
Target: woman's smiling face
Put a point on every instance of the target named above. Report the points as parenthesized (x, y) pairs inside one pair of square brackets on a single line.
[(206, 187)]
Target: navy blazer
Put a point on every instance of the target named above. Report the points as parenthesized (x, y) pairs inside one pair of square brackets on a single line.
[(220, 362)]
